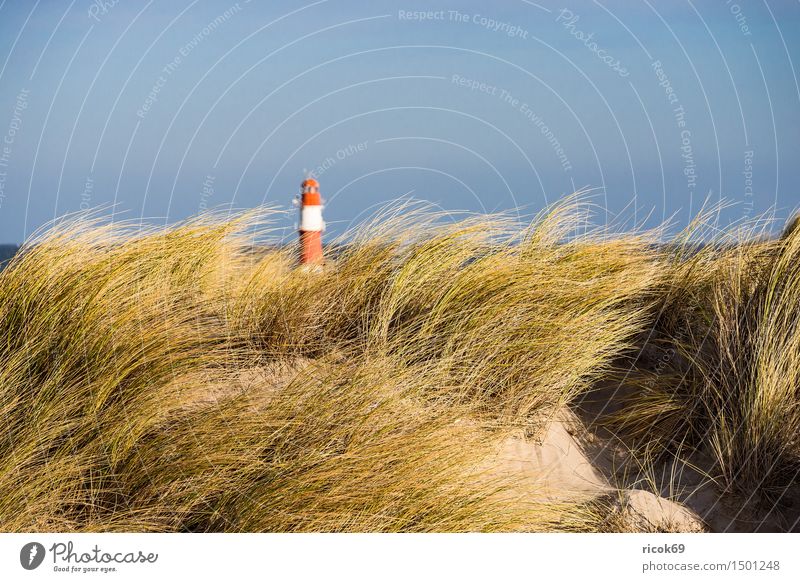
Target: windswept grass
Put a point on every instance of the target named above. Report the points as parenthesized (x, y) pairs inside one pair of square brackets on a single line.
[(173, 380), (718, 372)]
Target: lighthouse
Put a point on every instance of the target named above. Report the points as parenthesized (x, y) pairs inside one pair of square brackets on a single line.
[(311, 223)]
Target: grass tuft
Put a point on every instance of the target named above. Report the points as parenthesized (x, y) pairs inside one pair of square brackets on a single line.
[(177, 379)]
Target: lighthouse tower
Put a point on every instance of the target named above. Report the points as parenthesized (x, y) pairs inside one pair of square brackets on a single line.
[(311, 223)]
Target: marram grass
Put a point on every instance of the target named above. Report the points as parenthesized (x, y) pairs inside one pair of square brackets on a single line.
[(174, 380)]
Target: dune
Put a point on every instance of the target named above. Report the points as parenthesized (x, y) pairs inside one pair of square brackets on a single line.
[(433, 376)]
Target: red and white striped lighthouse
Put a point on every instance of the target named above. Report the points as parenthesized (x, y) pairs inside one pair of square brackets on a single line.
[(311, 223)]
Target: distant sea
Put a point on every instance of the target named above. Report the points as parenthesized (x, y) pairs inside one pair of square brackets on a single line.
[(6, 252)]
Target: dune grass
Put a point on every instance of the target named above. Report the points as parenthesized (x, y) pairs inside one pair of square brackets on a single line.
[(173, 380), (717, 374)]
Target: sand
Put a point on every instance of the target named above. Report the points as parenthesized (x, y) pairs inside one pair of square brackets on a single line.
[(571, 463)]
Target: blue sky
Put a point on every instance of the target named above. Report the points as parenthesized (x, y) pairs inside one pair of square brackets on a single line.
[(164, 109)]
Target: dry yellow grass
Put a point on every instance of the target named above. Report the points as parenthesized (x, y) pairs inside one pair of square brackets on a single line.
[(726, 346), (173, 380)]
